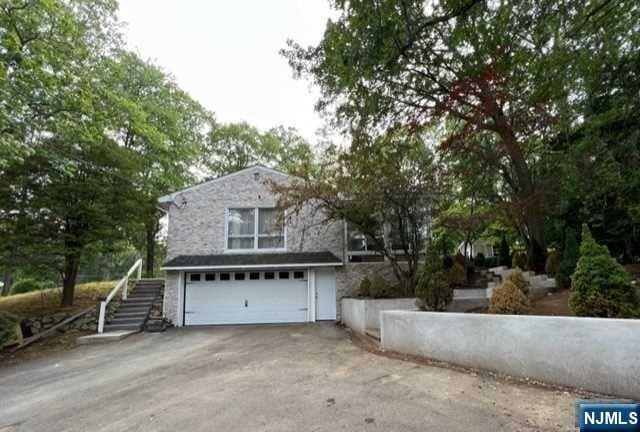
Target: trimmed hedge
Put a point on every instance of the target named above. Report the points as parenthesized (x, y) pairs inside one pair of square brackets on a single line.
[(600, 286), (508, 299), (433, 291), (517, 278)]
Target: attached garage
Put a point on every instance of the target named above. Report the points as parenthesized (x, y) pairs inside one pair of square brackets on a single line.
[(246, 297), (262, 289)]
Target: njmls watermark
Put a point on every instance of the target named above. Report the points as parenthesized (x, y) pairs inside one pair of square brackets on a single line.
[(607, 415)]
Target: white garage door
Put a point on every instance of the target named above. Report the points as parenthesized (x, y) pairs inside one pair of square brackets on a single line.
[(246, 297)]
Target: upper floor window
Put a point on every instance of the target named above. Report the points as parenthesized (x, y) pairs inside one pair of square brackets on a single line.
[(255, 228), (359, 242)]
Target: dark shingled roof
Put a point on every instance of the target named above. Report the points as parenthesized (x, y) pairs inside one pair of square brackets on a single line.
[(257, 259)]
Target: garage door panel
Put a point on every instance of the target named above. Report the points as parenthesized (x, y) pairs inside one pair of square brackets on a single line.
[(247, 301)]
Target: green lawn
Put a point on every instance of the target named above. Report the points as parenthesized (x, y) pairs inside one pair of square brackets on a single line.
[(47, 301)]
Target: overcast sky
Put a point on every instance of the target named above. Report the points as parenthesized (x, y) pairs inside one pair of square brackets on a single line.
[(225, 54)]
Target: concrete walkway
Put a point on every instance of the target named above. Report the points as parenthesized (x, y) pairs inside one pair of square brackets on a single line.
[(270, 378)]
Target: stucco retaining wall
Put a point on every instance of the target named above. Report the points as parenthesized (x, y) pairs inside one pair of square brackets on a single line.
[(601, 355), (362, 314)]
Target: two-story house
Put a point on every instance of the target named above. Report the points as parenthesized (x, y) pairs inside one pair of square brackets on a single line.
[(234, 258)]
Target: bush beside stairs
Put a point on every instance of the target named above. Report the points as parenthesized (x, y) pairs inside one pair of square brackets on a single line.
[(132, 314)]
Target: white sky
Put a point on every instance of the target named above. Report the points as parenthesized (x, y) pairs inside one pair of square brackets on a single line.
[(225, 54)]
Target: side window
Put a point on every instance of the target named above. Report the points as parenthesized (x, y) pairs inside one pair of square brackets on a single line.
[(269, 275), (298, 275), (283, 275), (225, 276), (194, 277), (254, 275), (209, 276), (239, 276)]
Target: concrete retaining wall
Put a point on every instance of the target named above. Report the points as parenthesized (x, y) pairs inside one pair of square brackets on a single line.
[(601, 355), (362, 314)]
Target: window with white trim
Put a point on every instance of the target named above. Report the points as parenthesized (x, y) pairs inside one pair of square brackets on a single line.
[(255, 228)]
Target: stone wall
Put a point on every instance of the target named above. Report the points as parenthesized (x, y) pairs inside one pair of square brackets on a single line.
[(349, 276), (596, 354), (88, 322)]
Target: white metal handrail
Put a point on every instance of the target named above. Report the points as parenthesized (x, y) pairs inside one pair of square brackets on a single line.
[(124, 284)]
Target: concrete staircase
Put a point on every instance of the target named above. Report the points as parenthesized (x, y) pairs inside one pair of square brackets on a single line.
[(134, 311)]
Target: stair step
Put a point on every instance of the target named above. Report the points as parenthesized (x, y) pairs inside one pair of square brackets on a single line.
[(125, 320), (133, 308), (116, 327), (127, 314), (139, 299)]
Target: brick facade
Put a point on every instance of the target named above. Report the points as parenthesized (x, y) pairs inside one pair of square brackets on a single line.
[(197, 227)]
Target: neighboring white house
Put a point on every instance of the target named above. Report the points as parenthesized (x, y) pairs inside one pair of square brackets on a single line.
[(475, 248), (230, 260)]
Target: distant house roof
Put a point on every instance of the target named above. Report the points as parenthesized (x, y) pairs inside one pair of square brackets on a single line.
[(249, 261), (169, 198)]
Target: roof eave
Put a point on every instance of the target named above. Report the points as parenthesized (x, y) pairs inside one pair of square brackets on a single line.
[(251, 266)]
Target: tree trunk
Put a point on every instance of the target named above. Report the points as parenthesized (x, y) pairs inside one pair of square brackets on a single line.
[(530, 201), (150, 248), (7, 279), (69, 276)]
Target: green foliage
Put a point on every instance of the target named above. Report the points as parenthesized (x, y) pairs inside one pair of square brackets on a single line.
[(519, 260), (600, 286), (570, 255), (517, 278), (509, 299), (374, 185), (8, 323), (457, 275), (233, 146), (26, 285), (553, 262), (504, 253), (380, 288), (433, 291), (364, 290)]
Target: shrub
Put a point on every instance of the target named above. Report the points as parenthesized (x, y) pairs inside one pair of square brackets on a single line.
[(459, 258), (379, 288), (480, 260), (447, 261), (551, 266), (457, 275), (570, 255), (433, 291), (519, 260), (26, 285), (600, 286), (364, 290), (504, 254), (509, 299), (517, 278), (8, 324)]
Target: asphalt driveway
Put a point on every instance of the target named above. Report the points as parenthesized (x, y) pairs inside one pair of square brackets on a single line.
[(271, 378)]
